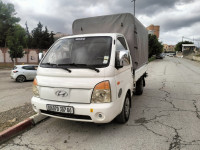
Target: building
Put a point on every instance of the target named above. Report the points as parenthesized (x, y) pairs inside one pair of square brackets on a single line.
[(169, 48), (188, 47), (59, 35), (154, 30)]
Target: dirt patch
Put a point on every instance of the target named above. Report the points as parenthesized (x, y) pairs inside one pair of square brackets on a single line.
[(14, 116)]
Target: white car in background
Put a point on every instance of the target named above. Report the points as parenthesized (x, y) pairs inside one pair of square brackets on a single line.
[(21, 73)]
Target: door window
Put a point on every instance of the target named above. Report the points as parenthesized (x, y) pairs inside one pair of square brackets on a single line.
[(121, 46), (29, 67)]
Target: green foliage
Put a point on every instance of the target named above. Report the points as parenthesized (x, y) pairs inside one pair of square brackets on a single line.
[(7, 20), (41, 39), (155, 47), (178, 46), (152, 58), (15, 41), (16, 38)]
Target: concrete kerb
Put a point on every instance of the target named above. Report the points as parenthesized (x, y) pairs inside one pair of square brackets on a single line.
[(20, 127)]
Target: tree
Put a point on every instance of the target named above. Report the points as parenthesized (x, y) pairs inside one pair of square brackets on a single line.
[(41, 39), (155, 47), (16, 41), (7, 20), (28, 37), (178, 46), (37, 36)]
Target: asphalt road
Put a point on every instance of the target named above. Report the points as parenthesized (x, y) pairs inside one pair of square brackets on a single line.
[(165, 117), (13, 94)]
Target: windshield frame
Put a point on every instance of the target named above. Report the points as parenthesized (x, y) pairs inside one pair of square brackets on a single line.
[(44, 65)]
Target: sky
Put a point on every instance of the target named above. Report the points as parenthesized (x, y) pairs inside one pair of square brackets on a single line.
[(177, 18)]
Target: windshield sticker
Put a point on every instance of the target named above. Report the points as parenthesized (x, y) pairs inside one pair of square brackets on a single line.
[(105, 61), (80, 39), (106, 57)]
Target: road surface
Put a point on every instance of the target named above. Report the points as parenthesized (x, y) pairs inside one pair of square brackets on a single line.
[(13, 94), (165, 117)]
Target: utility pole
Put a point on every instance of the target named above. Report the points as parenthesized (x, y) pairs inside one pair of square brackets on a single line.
[(134, 7)]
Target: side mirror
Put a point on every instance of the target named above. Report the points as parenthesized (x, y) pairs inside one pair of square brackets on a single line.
[(122, 58), (40, 56)]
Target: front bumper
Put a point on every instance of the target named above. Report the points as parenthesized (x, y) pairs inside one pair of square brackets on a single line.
[(101, 113)]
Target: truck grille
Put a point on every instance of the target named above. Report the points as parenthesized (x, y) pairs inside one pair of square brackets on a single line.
[(72, 116)]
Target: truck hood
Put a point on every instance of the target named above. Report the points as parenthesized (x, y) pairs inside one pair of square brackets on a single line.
[(74, 87), (78, 78)]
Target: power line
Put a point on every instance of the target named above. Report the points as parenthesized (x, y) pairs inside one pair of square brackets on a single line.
[(190, 39)]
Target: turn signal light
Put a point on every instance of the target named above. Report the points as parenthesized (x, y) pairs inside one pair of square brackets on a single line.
[(35, 89), (102, 93), (103, 86)]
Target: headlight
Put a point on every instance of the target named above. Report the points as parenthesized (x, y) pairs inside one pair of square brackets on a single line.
[(35, 89), (102, 93)]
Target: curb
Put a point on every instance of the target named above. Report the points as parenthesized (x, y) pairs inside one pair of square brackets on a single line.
[(20, 127)]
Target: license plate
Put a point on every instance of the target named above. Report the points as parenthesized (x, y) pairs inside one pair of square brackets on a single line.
[(61, 109)]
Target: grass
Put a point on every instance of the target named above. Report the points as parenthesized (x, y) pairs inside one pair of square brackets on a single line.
[(152, 58)]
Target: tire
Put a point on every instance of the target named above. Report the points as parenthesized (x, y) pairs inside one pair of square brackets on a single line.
[(21, 78), (139, 86), (123, 117)]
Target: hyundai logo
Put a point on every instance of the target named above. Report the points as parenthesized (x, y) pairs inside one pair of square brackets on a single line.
[(61, 93)]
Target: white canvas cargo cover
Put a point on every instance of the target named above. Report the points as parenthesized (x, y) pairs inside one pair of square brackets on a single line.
[(118, 23)]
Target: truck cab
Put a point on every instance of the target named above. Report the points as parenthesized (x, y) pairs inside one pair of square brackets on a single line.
[(85, 78)]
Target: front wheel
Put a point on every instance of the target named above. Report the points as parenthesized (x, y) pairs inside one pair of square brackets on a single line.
[(123, 117)]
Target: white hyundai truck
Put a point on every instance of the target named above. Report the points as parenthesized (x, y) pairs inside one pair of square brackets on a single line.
[(92, 75)]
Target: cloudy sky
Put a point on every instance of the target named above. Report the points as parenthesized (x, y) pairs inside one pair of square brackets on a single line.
[(177, 18)]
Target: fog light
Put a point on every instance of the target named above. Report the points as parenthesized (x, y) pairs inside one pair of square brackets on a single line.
[(100, 116)]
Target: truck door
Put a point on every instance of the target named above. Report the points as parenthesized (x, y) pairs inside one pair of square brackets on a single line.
[(123, 75)]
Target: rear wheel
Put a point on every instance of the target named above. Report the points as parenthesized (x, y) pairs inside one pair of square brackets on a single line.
[(123, 117), (21, 78), (139, 86)]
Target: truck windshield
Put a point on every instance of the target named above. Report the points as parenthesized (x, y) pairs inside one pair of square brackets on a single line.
[(78, 52)]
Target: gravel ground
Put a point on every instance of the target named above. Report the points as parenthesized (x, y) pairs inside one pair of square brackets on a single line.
[(14, 116)]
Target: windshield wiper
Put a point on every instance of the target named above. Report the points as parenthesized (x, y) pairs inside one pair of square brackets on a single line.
[(57, 66), (61, 66), (81, 65), (50, 64)]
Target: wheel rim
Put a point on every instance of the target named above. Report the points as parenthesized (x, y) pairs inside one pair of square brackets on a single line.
[(21, 79), (127, 107)]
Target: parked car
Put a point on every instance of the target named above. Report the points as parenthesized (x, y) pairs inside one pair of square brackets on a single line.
[(171, 55), (160, 56), (21, 73)]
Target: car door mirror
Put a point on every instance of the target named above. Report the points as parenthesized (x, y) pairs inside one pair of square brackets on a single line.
[(122, 58), (40, 56)]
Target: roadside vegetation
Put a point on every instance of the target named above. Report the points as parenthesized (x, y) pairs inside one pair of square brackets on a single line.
[(152, 58), (155, 47)]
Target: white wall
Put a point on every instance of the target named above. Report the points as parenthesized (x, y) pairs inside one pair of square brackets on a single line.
[(33, 57), (1, 56), (23, 59)]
